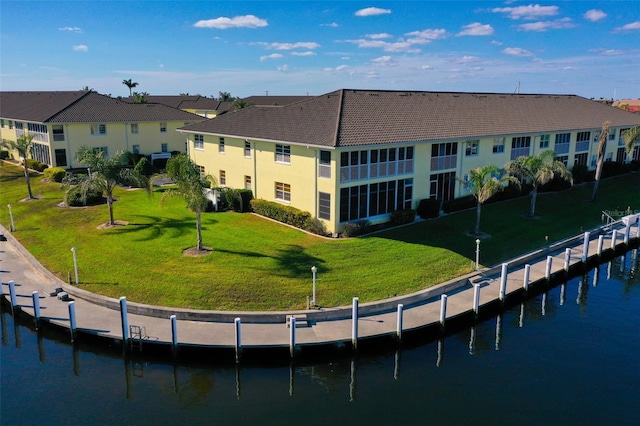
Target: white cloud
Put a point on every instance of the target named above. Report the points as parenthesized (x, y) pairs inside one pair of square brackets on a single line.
[(308, 53), (594, 15), (372, 11), (542, 26), (532, 11), (426, 67), (291, 46), (81, 48), (378, 36), (384, 60), (283, 68), (401, 46), (497, 43), (467, 60), (272, 56), (222, 23), (634, 26), (426, 36), (516, 51), (332, 25), (476, 29), (71, 29), (613, 52)]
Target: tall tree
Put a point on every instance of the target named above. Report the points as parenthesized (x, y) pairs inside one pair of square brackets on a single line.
[(190, 185), (484, 183), (130, 84), (537, 169), (23, 145), (105, 173), (240, 104), (224, 96), (140, 98), (631, 138), (602, 147)]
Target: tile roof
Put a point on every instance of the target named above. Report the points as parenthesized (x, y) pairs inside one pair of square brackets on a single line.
[(183, 101), (364, 117), (84, 107), (275, 100)]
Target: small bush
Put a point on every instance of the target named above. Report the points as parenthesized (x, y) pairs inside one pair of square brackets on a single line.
[(579, 172), (316, 226), (238, 199), (160, 163), (458, 204), (429, 208), (55, 174), (281, 213), (74, 197), (35, 164), (144, 167), (4, 155), (353, 229), (401, 217)]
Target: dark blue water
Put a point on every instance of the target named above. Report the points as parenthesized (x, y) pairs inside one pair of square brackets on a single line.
[(570, 356)]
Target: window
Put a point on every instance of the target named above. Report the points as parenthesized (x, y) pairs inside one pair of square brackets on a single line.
[(324, 167), (58, 132), (620, 139), (544, 141), (98, 129), (582, 141), (562, 143), (221, 146), (444, 155), (324, 205), (581, 159), (621, 155), (200, 169), (498, 146), (61, 157), (198, 141), (247, 149), (104, 149), (136, 149), (442, 186), (2, 122), (520, 146), (164, 147), (361, 201), (134, 128), (283, 154), (564, 159), (247, 182), (40, 152), (223, 178), (283, 192), (163, 127), (471, 148), (10, 124)]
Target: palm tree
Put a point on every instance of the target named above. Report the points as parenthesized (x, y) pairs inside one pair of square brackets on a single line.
[(105, 173), (224, 96), (240, 104), (538, 169), (130, 84), (631, 138), (602, 147), (23, 146), (483, 183), (140, 98), (190, 185)]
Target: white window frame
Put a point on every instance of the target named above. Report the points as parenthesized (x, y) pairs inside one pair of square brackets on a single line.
[(283, 154), (221, 144), (163, 127), (198, 141), (98, 129), (135, 128), (223, 178), (247, 149), (283, 192)]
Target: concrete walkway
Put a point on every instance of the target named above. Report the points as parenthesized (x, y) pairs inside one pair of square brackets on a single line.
[(98, 317)]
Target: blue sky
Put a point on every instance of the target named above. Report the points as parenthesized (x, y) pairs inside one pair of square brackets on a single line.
[(591, 49)]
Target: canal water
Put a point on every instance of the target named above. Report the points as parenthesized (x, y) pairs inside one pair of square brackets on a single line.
[(569, 356)]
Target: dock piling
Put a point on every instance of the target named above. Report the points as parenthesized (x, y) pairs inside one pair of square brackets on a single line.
[(567, 259), (174, 334), (72, 320), (12, 294), (600, 242), (503, 281), (399, 321), (527, 275), (36, 308), (292, 335), (125, 323), (443, 309), (614, 237), (547, 273), (585, 247), (476, 298), (354, 323), (238, 324)]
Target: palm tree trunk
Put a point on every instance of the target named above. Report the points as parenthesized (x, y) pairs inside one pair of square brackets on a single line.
[(534, 196), (28, 179), (110, 205), (478, 207), (199, 228), (597, 181)]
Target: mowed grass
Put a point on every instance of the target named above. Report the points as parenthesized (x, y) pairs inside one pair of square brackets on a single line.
[(258, 264)]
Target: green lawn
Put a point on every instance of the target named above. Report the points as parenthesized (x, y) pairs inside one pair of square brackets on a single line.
[(261, 265)]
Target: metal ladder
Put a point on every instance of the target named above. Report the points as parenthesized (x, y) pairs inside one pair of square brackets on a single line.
[(136, 335)]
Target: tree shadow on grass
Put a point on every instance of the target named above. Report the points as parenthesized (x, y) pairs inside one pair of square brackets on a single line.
[(153, 227), (295, 262)]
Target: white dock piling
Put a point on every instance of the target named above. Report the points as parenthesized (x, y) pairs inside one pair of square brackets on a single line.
[(547, 273), (443, 309), (238, 325), (585, 247), (399, 321), (125, 321), (503, 281), (354, 323), (476, 298), (614, 237), (174, 333), (600, 243), (12, 294), (72, 320), (527, 274), (36, 308), (567, 259), (292, 335)]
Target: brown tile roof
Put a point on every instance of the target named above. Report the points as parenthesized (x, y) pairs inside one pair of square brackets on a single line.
[(36, 106), (364, 117), (182, 102), (275, 100), (84, 107)]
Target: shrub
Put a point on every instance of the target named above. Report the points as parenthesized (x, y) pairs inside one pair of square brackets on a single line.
[(55, 174), (74, 197), (281, 213), (353, 229), (160, 163), (429, 208), (401, 217), (238, 199), (35, 164), (4, 155), (144, 167), (579, 172), (316, 226), (457, 204)]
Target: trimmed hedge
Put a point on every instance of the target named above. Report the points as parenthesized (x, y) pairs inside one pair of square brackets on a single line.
[(35, 164), (281, 213), (353, 229), (401, 217), (55, 174), (75, 198), (429, 208), (237, 199)]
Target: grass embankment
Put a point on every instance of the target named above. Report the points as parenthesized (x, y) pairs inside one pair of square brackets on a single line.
[(261, 265)]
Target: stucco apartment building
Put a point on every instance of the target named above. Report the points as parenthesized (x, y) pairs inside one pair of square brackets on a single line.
[(61, 122), (361, 154)]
